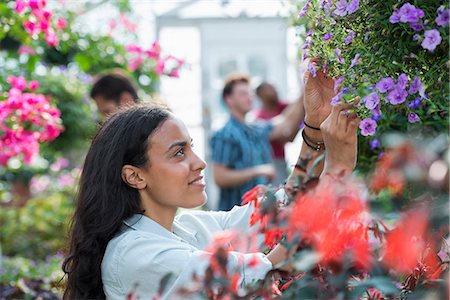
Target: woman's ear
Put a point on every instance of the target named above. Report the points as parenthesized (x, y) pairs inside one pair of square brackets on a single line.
[(131, 176)]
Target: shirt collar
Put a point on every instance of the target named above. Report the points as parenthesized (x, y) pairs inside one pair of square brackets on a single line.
[(144, 223), (236, 122)]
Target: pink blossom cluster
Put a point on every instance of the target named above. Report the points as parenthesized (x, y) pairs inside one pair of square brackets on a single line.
[(124, 21), (26, 119), (40, 20), (167, 65)]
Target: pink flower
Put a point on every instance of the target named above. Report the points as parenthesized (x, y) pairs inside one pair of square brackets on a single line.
[(112, 24), (61, 23), (20, 6), (23, 49), (31, 27), (133, 48), (43, 15), (66, 180), (155, 51), (17, 82), (174, 73), (37, 4), (159, 68), (135, 63), (59, 164), (51, 38), (44, 26), (33, 85), (17, 113)]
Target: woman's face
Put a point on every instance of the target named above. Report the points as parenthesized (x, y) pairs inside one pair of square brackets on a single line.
[(174, 172)]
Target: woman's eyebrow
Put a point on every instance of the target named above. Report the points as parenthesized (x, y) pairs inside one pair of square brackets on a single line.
[(178, 144)]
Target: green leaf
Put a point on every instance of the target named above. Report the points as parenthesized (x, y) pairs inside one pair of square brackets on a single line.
[(83, 61)]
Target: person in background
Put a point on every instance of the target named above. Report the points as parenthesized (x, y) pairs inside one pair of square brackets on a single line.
[(271, 107), (241, 151), (113, 90)]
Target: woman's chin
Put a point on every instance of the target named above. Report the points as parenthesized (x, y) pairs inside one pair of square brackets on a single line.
[(194, 203)]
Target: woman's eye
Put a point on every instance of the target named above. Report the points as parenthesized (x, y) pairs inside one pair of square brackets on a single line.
[(180, 152)]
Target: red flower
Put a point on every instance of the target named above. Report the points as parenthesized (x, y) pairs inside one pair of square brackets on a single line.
[(406, 244), (272, 236), (252, 196), (332, 217)]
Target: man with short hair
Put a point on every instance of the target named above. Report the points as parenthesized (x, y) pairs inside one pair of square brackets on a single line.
[(241, 151), (113, 90)]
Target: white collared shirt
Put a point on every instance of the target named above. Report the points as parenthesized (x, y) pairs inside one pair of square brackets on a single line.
[(144, 251)]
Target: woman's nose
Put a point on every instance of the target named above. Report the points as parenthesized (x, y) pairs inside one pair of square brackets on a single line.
[(198, 163)]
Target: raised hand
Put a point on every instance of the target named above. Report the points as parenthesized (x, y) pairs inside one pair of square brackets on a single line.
[(339, 132), (318, 93)]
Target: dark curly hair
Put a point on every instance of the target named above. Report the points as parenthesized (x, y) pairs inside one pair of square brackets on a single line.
[(104, 200)]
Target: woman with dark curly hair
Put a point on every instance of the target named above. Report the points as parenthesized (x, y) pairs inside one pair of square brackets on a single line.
[(139, 170)]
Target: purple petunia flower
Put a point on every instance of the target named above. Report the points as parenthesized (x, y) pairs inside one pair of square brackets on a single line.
[(414, 103), (337, 83), (395, 17), (372, 100), (397, 96), (443, 17), (307, 43), (327, 36), (416, 37), (368, 127), (415, 86), (385, 84), (327, 8), (313, 69), (402, 81), (337, 51), (352, 6), (355, 60), (335, 100), (413, 118), (422, 92), (416, 26), (431, 40), (305, 55), (374, 143), (410, 14), (341, 8), (349, 38), (310, 32), (304, 10), (376, 113)]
